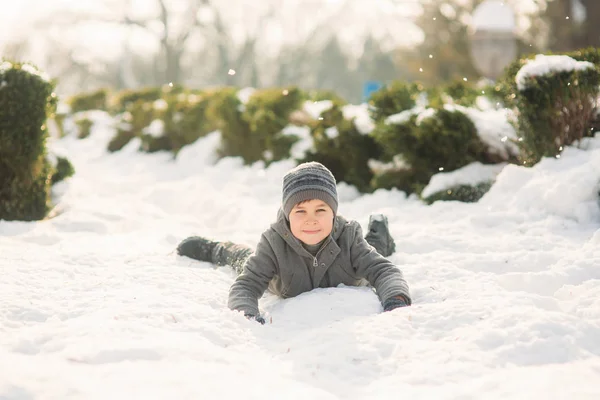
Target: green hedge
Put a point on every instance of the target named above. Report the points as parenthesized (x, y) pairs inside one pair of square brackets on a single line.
[(84, 127), (457, 92), (123, 100), (226, 109), (393, 99), (428, 141), (63, 170), (463, 193), (185, 120), (139, 115), (343, 149), (253, 131), (26, 99), (96, 100), (440, 136), (554, 110)]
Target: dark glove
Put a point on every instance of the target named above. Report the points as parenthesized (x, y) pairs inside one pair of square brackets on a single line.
[(257, 318), (395, 302)]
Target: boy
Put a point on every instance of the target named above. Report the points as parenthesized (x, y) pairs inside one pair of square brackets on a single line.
[(309, 246)]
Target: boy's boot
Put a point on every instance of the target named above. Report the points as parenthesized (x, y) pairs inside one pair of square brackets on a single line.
[(379, 235), (198, 248)]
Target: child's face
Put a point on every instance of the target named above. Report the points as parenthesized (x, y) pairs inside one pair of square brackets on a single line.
[(311, 221)]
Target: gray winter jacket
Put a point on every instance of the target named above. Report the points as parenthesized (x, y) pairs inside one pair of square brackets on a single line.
[(282, 265)]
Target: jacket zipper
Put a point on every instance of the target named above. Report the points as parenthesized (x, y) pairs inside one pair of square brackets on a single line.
[(315, 261)]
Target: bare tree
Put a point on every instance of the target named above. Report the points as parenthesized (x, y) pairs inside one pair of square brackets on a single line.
[(202, 43)]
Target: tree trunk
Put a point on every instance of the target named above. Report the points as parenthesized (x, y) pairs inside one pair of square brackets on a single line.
[(591, 28), (561, 28)]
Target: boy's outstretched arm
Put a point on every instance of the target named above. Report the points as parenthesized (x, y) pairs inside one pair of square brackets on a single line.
[(251, 284), (385, 277)]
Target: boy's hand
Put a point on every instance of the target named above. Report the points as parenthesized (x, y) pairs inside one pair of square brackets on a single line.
[(257, 318), (394, 302)]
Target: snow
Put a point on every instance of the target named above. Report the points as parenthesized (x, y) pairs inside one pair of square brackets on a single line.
[(379, 167), (332, 132), (156, 128), (494, 129), (378, 217), (6, 65), (471, 174), (244, 94), (425, 114), (63, 108), (316, 108), (160, 105), (493, 126), (404, 116), (362, 119), (567, 187), (95, 304), (305, 142), (493, 15), (543, 65)]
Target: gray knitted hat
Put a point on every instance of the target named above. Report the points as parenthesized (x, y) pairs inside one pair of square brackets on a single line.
[(308, 181)]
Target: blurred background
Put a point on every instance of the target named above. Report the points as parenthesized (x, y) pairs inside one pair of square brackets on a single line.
[(339, 45)]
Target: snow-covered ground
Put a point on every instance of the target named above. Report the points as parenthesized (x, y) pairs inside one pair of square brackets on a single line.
[(95, 304)]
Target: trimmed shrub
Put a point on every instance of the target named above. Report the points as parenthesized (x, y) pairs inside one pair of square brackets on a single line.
[(506, 91), (152, 144), (133, 122), (436, 139), (445, 139), (267, 113), (506, 88), (59, 120), (464, 193), (120, 140), (392, 99), (27, 198), (96, 100), (186, 120), (84, 127), (254, 131), (408, 180), (462, 93), (226, 110), (124, 99), (343, 149), (26, 100), (63, 170), (556, 110), (323, 94)]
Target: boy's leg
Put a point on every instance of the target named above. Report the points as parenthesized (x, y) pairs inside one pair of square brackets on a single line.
[(379, 235), (219, 253), (233, 254)]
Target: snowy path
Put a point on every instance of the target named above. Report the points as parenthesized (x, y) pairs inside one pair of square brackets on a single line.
[(94, 304)]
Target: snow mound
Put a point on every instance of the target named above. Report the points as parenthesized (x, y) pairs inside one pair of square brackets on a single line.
[(471, 175), (566, 187), (543, 65)]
